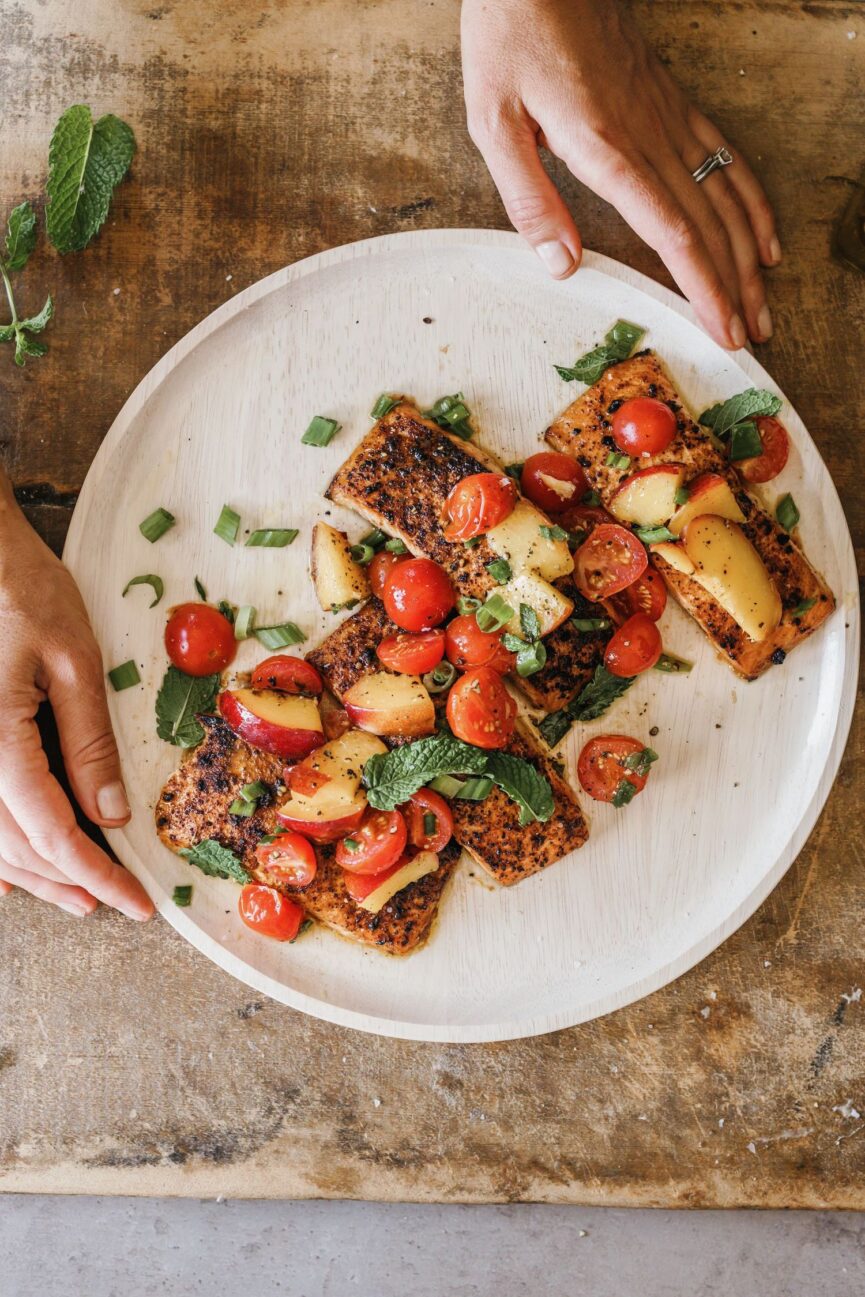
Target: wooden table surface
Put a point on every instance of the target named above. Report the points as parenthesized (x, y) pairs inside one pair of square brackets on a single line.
[(128, 1063)]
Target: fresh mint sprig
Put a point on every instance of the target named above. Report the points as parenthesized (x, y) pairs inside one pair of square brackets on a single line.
[(20, 242)]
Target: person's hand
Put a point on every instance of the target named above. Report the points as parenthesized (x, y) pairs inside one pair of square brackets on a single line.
[(576, 77), (47, 650)]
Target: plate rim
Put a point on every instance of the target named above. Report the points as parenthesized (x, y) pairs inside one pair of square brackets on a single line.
[(609, 1002)]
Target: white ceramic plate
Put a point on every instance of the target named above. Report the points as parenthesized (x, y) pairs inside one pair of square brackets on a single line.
[(744, 768)]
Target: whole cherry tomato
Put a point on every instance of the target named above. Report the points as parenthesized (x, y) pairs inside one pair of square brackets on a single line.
[(417, 594), (269, 913), (643, 426), (199, 640), (467, 646)]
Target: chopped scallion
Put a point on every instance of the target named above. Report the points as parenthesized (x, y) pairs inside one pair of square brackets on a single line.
[(240, 806), (787, 513), (429, 824), (396, 546), (272, 537), (320, 432), (682, 494), (440, 678), (554, 532), (673, 665), (277, 637), (227, 525), (156, 524), (472, 542), (591, 500), (475, 788), (124, 676), (151, 580), (244, 621), (383, 406), (251, 792), (587, 624), (531, 659), (452, 413), (376, 538), (494, 614), (804, 606), (447, 785), (227, 609), (182, 895), (362, 554), (615, 460), (653, 535), (500, 570), (466, 604)]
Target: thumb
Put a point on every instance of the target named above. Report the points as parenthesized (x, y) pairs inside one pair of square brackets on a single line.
[(534, 205), (76, 691)]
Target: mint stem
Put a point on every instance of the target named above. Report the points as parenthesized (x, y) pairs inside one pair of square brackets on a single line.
[(10, 296)]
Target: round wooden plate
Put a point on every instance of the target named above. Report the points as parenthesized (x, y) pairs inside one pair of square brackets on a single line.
[(744, 768)]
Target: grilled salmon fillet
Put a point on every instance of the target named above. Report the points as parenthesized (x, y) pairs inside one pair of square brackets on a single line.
[(572, 656), (584, 431), (490, 830), (193, 806)]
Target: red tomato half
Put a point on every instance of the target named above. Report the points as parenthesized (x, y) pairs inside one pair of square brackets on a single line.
[(477, 503), (417, 594), (376, 845), (648, 595), (601, 765), (480, 710), (289, 859), (467, 646), (553, 481), (634, 647), (269, 913), (287, 675), (359, 886), (380, 569), (776, 448), (199, 640), (611, 559), (643, 426), (412, 655), (423, 834)]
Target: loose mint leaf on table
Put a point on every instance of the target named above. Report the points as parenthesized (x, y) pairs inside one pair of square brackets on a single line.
[(215, 860), (741, 408), (619, 342), (522, 783), (392, 777), (591, 702), (20, 242), (179, 701), (20, 236), (86, 162)]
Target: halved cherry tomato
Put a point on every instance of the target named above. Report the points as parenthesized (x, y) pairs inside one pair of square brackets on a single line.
[(478, 503), (199, 640), (359, 886), (648, 595), (553, 481), (288, 675), (380, 569), (611, 559), (480, 710), (423, 803), (601, 766), (467, 646), (417, 594), (412, 655), (643, 426), (269, 913), (776, 448), (288, 859), (377, 844), (634, 647), (305, 779)]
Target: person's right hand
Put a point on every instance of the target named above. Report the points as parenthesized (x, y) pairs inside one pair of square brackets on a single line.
[(47, 650)]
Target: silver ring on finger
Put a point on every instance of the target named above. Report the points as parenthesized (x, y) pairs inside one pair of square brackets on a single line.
[(722, 157)]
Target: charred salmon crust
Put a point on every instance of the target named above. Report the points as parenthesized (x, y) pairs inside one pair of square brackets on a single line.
[(490, 830), (194, 805), (584, 431), (572, 656)]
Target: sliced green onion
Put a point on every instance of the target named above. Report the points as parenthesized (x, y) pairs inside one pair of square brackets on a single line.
[(447, 785), (272, 537), (467, 604), (745, 441), (472, 542), (673, 665), (591, 500), (452, 413), (640, 762), (240, 806), (803, 607), (682, 495), (615, 460), (554, 532), (626, 792), (494, 614), (271, 837), (200, 590), (227, 609), (515, 470), (586, 624), (151, 580), (531, 658), (362, 554), (227, 525), (429, 824), (376, 538), (251, 792), (156, 524), (244, 621), (182, 895), (320, 432), (383, 406), (500, 570), (350, 844), (124, 676), (787, 513), (396, 546), (475, 788), (276, 637), (440, 678), (652, 535), (341, 607)]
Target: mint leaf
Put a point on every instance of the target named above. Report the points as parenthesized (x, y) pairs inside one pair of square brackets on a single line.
[(591, 702), (518, 778), (746, 405), (86, 162), (640, 762), (26, 346), (20, 236), (619, 342), (392, 777), (36, 323), (180, 699), (529, 622), (215, 860)]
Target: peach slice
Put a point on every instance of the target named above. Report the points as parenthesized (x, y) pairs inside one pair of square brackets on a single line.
[(396, 705), (707, 494), (674, 554), (729, 569), (374, 897), (285, 724), (648, 498)]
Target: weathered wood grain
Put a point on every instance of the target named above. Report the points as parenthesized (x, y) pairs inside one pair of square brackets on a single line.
[(127, 1062)]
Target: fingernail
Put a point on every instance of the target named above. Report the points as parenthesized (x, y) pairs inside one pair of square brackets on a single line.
[(556, 257), (774, 250), (738, 336), (78, 910), (764, 323), (111, 802)]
